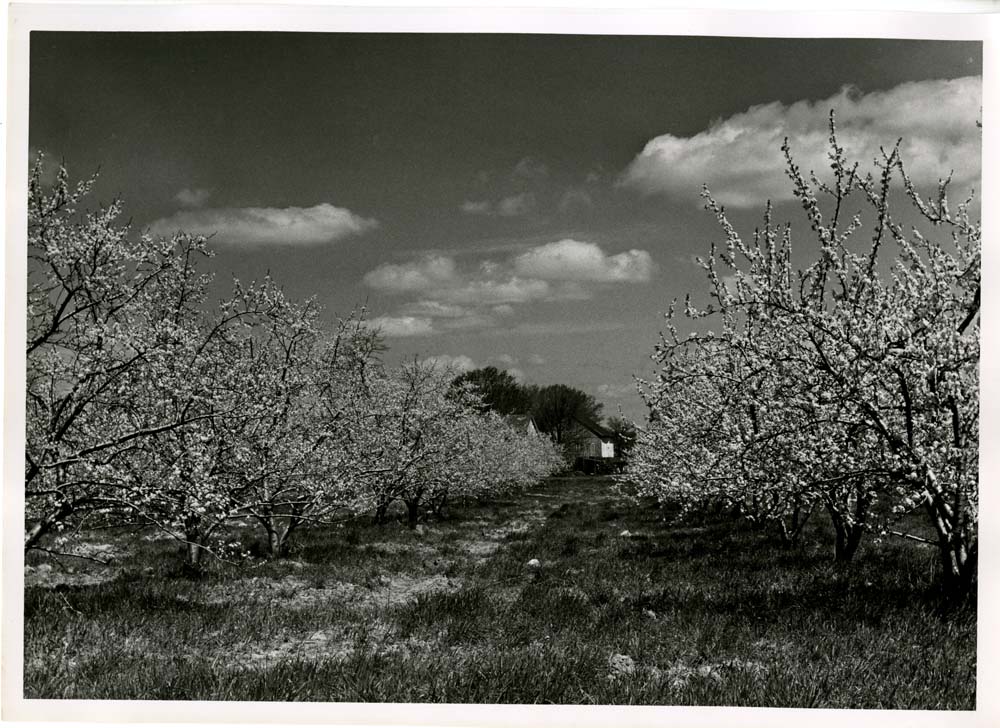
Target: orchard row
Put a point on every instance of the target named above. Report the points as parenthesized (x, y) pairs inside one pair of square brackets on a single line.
[(844, 378), (147, 407)]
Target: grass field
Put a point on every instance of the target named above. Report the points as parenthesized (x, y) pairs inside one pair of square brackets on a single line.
[(708, 614)]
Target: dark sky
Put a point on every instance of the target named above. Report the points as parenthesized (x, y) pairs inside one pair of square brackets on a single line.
[(483, 193)]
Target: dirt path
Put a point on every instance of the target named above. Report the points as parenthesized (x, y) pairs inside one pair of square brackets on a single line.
[(316, 605), (438, 558)]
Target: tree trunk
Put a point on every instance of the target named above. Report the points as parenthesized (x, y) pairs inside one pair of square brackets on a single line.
[(791, 531), (278, 538), (194, 551), (960, 580), (412, 512), (45, 524), (196, 537), (848, 540), (849, 513), (380, 511), (440, 506), (275, 541), (787, 539), (848, 536), (958, 554), (284, 545)]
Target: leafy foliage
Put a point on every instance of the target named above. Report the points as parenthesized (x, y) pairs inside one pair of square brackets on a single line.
[(500, 391), (557, 407)]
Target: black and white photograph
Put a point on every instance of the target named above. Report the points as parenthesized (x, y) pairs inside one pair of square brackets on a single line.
[(497, 368)]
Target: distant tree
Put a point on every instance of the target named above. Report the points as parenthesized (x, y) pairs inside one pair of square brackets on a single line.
[(557, 407), (499, 390), (411, 435)]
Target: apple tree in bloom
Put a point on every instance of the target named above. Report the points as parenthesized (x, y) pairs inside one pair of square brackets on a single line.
[(851, 384), (412, 436), (296, 471), (493, 458), (148, 407), (107, 312), (248, 370), (408, 430)]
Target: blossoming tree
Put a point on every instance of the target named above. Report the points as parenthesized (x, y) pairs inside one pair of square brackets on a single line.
[(413, 436), (106, 312), (850, 383)]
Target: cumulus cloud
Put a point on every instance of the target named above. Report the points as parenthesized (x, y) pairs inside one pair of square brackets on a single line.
[(195, 197), (512, 289), (475, 320), (561, 328), (740, 157), (575, 199), (516, 205), (425, 274), (477, 207), (512, 206), (580, 261), (402, 325), (435, 309), (438, 276), (439, 296), (323, 223), (615, 391), (529, 168), (518, 374), (459, 363), (508, 363)]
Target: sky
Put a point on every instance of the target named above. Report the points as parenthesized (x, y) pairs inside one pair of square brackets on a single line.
[(529, 202)]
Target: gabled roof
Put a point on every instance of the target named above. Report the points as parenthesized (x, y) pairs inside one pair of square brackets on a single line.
[(600, 430), (521, 421)]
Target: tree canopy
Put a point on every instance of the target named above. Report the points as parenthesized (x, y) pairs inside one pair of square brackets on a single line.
[(555, 408), (499, 390)]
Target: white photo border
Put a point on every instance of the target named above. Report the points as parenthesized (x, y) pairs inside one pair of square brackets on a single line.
[(24, 18)]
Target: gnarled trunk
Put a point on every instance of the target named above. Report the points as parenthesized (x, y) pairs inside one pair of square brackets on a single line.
[(440, 506), (791, 528), (850, 520), (958, 548), (848, 538), (45, 524), (279, 536), (197, 536)]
